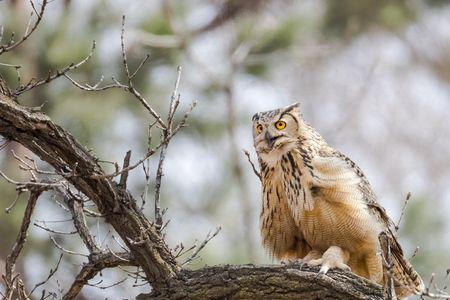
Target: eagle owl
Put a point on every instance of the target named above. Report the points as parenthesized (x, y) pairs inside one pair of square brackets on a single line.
[(318, 207)]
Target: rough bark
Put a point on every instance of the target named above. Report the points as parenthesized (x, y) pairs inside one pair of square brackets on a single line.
[(57, 147), (96, 264), (268, 282)]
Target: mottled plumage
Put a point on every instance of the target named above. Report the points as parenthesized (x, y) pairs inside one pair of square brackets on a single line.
[(317, 205)]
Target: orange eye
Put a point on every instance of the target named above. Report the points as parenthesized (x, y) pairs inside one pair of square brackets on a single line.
[(259, 128), (280, 125)]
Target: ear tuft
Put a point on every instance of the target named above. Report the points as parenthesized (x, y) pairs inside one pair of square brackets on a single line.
[(294, 106)]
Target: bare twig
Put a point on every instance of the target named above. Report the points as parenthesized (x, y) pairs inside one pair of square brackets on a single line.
[(11, 259), (96, 263), (180, 125), (130, 87), (79, 221), (29, 30), (54, 231), (439, 293), (65, 250), (50, 275), (174, 102), (416, 251), (33, 83), (96, 285), (27, 185), (251, 163), (146, 168), (209, 236), (11, 206), (405, 203), (124, 175)]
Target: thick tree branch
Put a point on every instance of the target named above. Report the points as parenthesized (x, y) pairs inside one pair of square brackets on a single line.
[(57, 147), (269, 282)]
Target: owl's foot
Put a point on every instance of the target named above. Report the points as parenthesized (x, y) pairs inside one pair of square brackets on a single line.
[(334, 257), (312, 255)]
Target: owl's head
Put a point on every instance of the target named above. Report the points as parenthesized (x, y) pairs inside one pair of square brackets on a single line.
[(277, 131)]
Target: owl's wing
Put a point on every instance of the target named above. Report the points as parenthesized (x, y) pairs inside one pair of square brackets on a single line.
[(338, 178)]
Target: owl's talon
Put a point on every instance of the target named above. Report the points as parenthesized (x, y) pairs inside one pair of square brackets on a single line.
[(324, 269), (334, 257)]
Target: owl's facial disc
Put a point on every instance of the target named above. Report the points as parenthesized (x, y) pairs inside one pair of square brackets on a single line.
[(275, 130)]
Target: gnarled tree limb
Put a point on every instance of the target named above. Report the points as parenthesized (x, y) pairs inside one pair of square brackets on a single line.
[(268, 282), (62, 151)]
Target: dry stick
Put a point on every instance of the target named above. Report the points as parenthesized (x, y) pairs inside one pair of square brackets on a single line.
[(440, 293), (28, 185), (129, 168), (174, 101), (130, 87), (50, 275), (146, 169), (79, 221), (65, 250), (11, 206), (414, 253), (50, 77), (388, 288), (11, 44), (124, 175), (202, 245), (20, 241), (251, 163), (181, 252), (95, 265), (106, 286), (405, 203), (55, 231), (17, 69)]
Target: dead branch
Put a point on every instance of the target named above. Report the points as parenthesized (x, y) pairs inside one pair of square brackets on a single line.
[(295, 281), (10, 278), (405, 204), (124, 175), (97, 262), (33, 83), (50, 275), (11, 44), (58, 148), (251, 163), (194, 255), (167, 132), (79, 221)]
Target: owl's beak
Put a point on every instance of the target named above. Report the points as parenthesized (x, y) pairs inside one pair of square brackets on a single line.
[(270, 140)]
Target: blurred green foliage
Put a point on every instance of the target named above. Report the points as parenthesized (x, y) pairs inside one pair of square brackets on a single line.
[(350, 18)]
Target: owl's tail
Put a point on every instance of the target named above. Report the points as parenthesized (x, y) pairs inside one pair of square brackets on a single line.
[(406, 280)]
